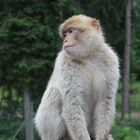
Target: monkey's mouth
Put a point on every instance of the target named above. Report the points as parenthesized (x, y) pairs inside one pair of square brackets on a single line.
[(69, 46)]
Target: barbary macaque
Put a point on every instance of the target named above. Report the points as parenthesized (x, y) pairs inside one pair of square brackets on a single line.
[(79, 101)]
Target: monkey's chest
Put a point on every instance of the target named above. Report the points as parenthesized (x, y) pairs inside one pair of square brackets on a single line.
[(76, 82), (75, 75), (82, 80)]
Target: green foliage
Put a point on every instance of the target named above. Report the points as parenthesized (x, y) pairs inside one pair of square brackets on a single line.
[(29, 41), (26, 50), (134, 96), (126, 116), (126, 130), (9, 127)]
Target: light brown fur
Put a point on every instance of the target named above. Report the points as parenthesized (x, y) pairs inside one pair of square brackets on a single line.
[(75, 21)]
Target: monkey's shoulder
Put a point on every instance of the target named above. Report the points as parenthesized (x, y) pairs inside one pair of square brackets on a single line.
[(106, 55), (104, 63)]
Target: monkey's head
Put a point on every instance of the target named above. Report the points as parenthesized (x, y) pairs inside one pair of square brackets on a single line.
[(81, 35)]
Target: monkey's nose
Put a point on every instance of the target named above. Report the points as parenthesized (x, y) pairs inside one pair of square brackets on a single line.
[(65, 40)]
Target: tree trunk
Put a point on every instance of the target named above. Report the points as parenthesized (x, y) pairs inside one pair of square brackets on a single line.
[(126, 68), (28, 114)]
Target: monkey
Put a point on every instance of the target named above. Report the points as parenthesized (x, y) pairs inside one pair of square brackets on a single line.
[(79, 101)]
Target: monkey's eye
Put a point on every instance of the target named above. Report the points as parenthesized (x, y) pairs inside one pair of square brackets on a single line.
[(70, 30), (64, 34)]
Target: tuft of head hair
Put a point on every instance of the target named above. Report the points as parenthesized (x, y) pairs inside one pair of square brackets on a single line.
[(80, 22)]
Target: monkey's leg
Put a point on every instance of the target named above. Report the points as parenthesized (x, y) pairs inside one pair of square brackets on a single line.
[(48, 118), (104, 116), (74, 115)]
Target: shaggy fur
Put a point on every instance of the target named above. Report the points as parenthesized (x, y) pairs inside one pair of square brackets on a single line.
[(79, 101)]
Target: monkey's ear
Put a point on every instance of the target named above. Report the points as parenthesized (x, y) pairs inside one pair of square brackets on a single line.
[(96, 24)]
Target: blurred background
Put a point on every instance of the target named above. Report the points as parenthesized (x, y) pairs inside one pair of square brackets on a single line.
[(29, 43)]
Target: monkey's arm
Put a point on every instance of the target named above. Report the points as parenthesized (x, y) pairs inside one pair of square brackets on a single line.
[(108, 82), (48, 119), (104, 114), (73, 115)]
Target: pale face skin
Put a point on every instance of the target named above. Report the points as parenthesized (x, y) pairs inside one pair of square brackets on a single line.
[(70, 40)]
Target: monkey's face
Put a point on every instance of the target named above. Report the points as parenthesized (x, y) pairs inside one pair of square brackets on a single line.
[(81, 34), (71, 42)]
